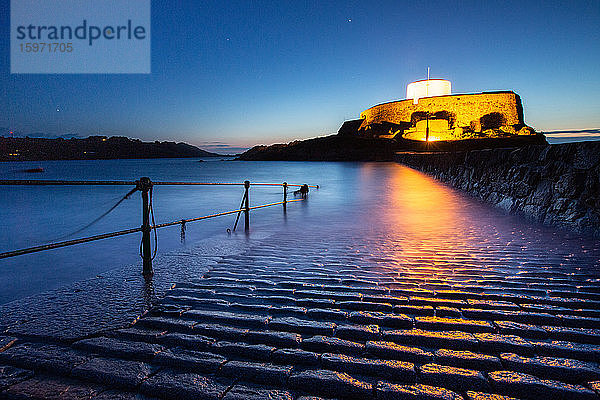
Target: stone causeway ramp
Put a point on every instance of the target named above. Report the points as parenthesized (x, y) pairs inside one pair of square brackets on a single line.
[(307, 318)]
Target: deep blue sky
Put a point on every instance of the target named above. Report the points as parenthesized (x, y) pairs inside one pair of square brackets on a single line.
[(248, 72)]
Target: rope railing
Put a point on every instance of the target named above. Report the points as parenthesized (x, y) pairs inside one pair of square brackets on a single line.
[(129, 183), (144, 185)]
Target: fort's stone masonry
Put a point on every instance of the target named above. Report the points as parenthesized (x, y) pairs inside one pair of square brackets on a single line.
[(466, 115), (465, 107), (558, 185)]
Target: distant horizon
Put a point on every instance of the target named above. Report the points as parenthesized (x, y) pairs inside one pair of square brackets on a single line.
[(236, 73), (553, 137)]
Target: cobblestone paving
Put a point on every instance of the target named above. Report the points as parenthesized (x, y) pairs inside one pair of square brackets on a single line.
[(314, 316)]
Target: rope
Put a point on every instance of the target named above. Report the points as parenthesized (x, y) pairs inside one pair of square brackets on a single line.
[(132, 191), (128, 183), (240, 212), (68, 243), (153, 226), (127, 231)]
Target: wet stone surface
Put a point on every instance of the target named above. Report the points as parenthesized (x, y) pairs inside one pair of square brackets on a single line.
[(310, 318)]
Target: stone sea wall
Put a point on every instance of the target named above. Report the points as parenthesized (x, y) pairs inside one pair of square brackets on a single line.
[(558, 185)]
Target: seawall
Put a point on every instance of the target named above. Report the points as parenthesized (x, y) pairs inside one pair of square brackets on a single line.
[(558, 185)]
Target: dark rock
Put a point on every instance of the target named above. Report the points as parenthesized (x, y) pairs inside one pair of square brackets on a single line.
[(486, 396), (529, 387), (467, 359), (453, 378), (563, 369), (279, 339), (256, 372), (295, 357), (193, 342), (325, 314), (357, 332), (350, 128), (177, 385), (221, 332), (259, 352), (189, 360), (451, 340), (389, 391), (389, 350), (113, 372), (49, 388), (112, 347), (145, 335), (227, 318), (453, 324), (350, 147), (394, 370), (579, 335), (414, 310), (118, 395), (291, 324), (11, 375), (167, 324), (244, 392), (325, 344), (492, 343), (330, 383), (365, 306), (522, 330), (577, 351), (40, 357)]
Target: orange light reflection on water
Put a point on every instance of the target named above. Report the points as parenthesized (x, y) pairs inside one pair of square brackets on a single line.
[(426, 223)]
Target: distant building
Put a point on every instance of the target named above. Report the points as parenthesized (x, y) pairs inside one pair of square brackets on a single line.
[(430, 112)]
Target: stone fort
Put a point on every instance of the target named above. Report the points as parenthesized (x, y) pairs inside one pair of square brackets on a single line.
[(430, 112)]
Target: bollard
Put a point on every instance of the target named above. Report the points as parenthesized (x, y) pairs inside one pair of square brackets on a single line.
[(145, 185), (247, 207), (304, 191), (285, 187)]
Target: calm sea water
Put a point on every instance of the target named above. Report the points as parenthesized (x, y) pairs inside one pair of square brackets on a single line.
[(403, 214)]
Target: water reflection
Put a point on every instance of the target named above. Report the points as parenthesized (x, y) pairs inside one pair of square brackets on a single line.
[(391, 214), (413, 220)]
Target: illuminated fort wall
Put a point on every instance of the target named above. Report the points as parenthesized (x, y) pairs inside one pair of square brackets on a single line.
[(466, 109)]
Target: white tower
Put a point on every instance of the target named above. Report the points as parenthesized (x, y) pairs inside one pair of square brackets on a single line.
[(428, 88)]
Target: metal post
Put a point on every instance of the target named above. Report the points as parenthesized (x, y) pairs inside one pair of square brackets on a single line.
[(285, 187), (247, 207), (427, 129), (144, 185)]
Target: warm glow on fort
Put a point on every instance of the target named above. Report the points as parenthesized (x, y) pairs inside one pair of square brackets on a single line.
[(431, 112), (431, 130)]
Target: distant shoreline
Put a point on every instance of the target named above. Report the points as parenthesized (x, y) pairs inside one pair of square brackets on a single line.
[(94, 148)]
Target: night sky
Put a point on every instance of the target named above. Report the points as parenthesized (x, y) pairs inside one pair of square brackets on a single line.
[(239, 73)]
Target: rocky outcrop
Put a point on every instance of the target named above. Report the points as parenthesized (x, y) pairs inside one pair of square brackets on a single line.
[(352, 147), (328, 148), (557, 185)]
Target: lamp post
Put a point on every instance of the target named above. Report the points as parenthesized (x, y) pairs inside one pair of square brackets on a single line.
[(427, 128)]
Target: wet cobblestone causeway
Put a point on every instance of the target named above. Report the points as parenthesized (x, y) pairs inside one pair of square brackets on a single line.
[(341, 315)]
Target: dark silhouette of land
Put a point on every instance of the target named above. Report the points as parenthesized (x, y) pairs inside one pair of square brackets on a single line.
[(364, 148), (93, 148)]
